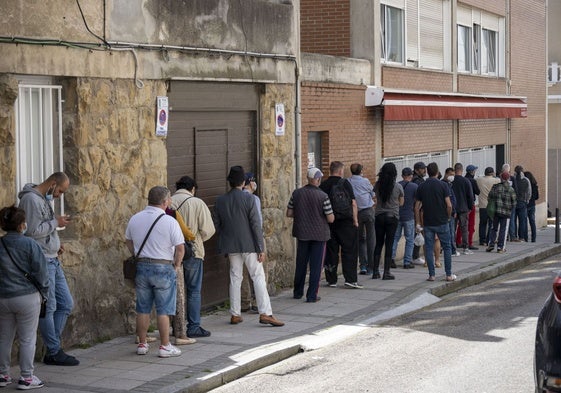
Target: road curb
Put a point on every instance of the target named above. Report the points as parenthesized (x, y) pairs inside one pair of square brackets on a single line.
[(494, 269)]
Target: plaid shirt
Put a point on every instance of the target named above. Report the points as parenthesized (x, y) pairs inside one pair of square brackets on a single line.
[(505, 198)]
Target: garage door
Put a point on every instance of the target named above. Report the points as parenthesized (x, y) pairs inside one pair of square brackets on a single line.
[(211, 127)]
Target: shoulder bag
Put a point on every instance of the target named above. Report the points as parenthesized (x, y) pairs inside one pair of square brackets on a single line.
[(129, 264), (31, 280)]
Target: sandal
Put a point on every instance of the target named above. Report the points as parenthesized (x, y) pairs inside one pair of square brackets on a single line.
[(431, 278), (453, 277)]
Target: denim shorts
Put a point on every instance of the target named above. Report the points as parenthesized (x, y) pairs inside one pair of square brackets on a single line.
[(155, 283)]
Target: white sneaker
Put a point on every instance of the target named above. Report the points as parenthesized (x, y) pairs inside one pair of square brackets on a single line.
[(30, 383), (419, 261), (457, 254), (169, 351), (142, 349), (354, 285), (5, 380), (467, 251)]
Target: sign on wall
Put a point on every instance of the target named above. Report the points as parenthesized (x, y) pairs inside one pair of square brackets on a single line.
[(162, 117), (279, 119)]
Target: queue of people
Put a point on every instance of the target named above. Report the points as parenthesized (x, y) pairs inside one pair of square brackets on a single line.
[(335, 219)]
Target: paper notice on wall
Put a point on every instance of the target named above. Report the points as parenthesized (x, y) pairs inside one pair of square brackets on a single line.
[(279, 119), (311, 160), (162, 117)]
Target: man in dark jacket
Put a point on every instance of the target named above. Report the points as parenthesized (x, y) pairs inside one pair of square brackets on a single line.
[(419, 173), (344, 231), (470, 175), (240, 236), (464, 203)]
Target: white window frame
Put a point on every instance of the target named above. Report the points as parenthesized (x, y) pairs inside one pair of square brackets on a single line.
[(488, 57), (465, 48), (39, 149), (442, 158), (385, 10)]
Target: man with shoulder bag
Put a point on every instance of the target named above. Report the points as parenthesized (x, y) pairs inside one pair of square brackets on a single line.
[(158, 261)]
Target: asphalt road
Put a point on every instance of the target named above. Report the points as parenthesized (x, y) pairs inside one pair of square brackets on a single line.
[(477, 340)]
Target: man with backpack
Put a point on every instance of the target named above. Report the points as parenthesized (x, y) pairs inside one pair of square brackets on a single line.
[(344, 229)]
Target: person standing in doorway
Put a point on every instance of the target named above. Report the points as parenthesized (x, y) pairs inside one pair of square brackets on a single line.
[(240, 236), (197, 216)]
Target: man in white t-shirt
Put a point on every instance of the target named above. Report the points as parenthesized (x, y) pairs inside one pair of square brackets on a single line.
[(159, 258)]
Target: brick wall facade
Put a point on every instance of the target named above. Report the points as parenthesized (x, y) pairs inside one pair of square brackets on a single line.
[(415, 79), (325, 27), (339, 111), (528, 74)]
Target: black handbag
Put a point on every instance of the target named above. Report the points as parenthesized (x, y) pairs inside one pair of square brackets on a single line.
[(129, 264), (43, 311)]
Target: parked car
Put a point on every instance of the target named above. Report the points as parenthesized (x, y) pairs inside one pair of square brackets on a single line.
[(547, 355)]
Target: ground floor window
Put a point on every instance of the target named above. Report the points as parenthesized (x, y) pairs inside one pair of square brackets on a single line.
[(442, 159), (317, 149), (38, 134)]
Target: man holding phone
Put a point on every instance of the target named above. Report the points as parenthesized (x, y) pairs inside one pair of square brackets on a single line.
[(42, 227)]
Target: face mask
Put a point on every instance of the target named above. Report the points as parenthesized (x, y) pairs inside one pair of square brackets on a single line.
[(254, 184), (450, 178), (49, 196), (24, 229)]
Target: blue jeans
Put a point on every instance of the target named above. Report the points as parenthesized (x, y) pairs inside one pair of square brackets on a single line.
[(522, 217), (443, 232), (408, 228), (452, 225), (59, 306), (155, 283), (532, 220), (193, 272)]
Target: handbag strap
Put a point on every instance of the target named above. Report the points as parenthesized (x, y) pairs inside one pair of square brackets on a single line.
[(148, 234), (26, 274), (181, 204)]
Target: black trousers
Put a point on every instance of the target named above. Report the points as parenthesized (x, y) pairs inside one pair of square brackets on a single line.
[(344, 238)]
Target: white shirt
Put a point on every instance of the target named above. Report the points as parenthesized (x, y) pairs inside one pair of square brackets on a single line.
[(163, 239)]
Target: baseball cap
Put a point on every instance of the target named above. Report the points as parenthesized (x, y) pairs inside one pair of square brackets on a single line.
[(471, 168), (505, 176), (489, 170), (419, 165), (314, 173), (406, 171)]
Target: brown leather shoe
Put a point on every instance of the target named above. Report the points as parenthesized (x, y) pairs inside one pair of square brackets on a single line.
[(235, 319), (269, 320)]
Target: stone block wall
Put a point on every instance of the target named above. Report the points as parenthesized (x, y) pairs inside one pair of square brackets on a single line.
[(8, 95), (113, 158)]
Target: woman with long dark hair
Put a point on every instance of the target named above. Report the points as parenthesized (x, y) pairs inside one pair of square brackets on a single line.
[(532, 203), (20, 300), (389, 197)]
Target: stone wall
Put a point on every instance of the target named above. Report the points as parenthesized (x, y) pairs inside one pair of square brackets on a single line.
[(8, 95), (277, 167), (113, 158)]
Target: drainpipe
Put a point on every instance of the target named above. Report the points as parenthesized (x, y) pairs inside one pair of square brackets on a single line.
[(297, 107), (508, 80)]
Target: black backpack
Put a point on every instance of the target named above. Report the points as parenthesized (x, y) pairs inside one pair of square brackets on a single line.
[(341, 202)]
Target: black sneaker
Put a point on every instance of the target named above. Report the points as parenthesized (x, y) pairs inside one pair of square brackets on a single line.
[(199, 332), (393, 265), (409, 266), (61, 359)]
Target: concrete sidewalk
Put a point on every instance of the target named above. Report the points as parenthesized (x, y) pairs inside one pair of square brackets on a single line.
[(235, 350)]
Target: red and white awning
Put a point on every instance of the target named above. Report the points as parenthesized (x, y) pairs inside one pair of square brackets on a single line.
[(450, 106)]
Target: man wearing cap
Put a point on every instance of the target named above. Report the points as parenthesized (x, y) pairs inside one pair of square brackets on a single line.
[(419, 173), (470, 175), (240, 236), (364, 194), (505, 198), (464, 202), (406, 219), (485, 183), (311, 209)]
